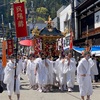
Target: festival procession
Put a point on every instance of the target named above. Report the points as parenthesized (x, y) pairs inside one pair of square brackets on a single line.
[(47, 58)]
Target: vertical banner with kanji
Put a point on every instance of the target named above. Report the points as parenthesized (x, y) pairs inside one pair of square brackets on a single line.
[(10, 47), (20, 19), (4, 60), (71, 40)]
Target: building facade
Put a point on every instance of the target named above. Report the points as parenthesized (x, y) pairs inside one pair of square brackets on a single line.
[(56, 20), (65, 23), (88, 22)]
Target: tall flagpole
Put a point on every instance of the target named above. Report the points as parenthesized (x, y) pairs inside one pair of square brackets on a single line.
[(87, 42), (71, 26), (4, 60), (16, 62)]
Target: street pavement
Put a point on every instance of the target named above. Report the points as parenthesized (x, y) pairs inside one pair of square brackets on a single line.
[(29, 94)]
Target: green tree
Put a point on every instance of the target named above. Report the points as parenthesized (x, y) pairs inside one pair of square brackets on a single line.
[(48, 4), (5, 10), (41, 13), (21, 0), (51, 5), (41, 10), (40, 19)]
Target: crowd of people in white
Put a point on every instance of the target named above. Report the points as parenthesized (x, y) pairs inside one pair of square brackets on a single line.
[(43, 73)]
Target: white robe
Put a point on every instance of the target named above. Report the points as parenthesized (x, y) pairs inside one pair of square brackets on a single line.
[(36, 62), (20, 64), (9, 73), (94, 70), (27, 70), (30, 72), (1, 71), (60, 71), (50, 72), (24, 65), (70, 73), (54, 72), (84, 82), (41, 72), (74, 66), (73, 72)]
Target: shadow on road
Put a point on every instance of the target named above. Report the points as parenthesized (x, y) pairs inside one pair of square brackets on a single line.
[(24, 86), (96, 87), (56, 90)]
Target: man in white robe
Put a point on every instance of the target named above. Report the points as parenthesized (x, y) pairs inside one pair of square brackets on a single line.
[(20, 64), (41, 73), (84, 76), (94, 70), (9, 78), (31, 65), (37, 59), (61, 73), (71, 72), (24, 64), (50, 73)]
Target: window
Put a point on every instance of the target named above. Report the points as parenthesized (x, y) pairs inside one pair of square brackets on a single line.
[(89, 20), (67, 25)]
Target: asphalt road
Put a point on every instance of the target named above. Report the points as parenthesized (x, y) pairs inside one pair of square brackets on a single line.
[(29, 94)]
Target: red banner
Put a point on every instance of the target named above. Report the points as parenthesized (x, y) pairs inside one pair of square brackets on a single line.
[(20, 19), (4, 60), (10, 47), (71, 40)]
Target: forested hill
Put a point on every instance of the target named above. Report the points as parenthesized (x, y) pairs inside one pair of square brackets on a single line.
[(50, 7)]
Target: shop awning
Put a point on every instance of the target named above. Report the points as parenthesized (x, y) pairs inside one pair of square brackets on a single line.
[(94, 50), (78, 49)]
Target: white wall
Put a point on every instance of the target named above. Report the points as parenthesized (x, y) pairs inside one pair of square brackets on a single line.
[(64, 16)]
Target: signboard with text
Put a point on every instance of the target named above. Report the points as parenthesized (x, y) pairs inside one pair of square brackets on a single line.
[(97, 19), (9, 47), (20, 19)]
